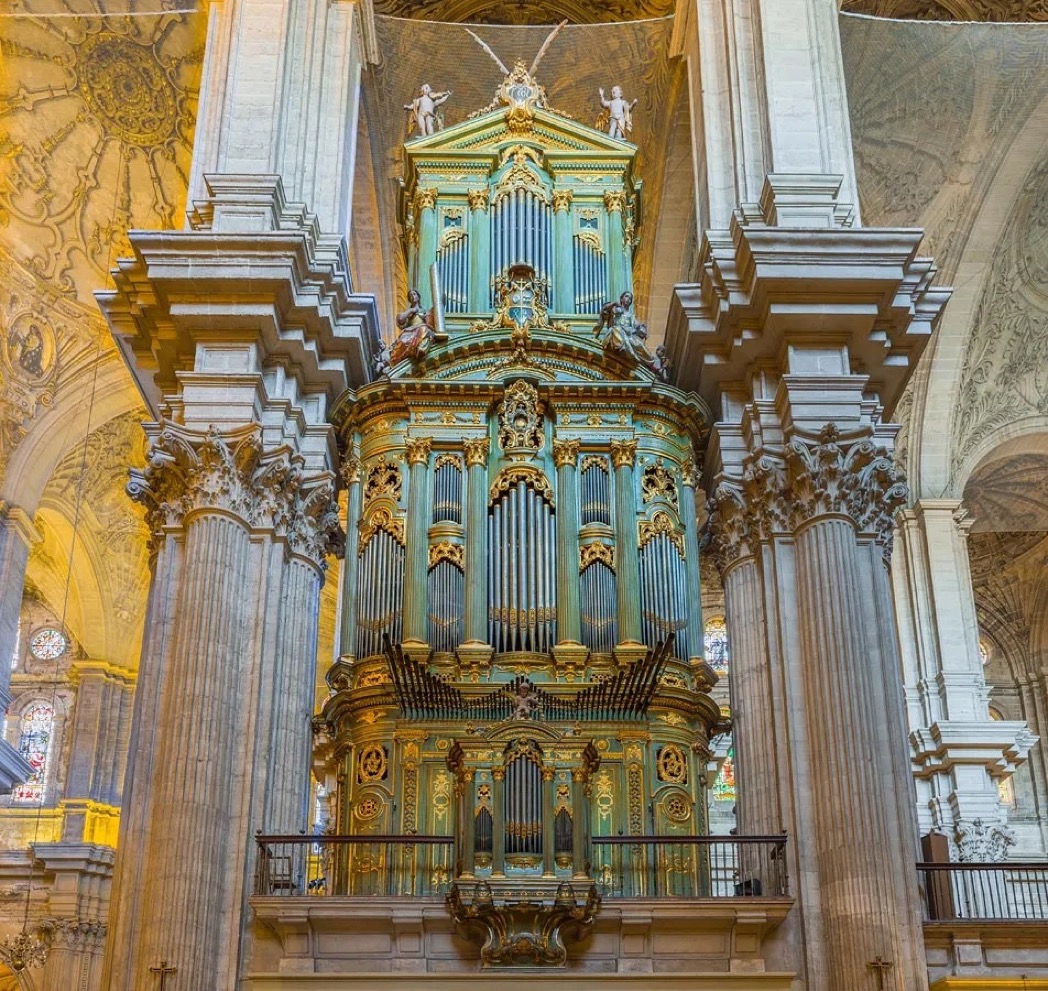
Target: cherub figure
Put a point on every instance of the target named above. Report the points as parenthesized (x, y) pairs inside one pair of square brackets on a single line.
[(416, 331), (382, 363), (620, 113), (424, 117), (524, 702), (660, 364)]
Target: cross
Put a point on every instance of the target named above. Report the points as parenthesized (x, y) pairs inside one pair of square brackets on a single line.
[(880, 965), (163, 970)]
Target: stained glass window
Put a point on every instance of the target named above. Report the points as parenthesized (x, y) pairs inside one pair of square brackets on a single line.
[(724, 786), (38, 722), (47, 644), (715, 640)]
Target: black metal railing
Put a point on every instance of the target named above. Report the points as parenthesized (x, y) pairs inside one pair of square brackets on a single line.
[(1001, 891), (353, 866), (691, 866)]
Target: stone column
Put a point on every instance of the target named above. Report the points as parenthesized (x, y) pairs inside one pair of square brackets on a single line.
[(627, 572), (476, 650), (960, 752), (17, 535), (569, 648), (563, 253), (479, 251), (618, 278), (354, 496), (691, 561), (239, 489), (417, 544), (426, 210)]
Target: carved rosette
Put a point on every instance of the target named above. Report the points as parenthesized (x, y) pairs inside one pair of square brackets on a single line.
[(417, 450), (476, 451), (566, 453), (623, 453), (477, 198), (229, 471), (814, 479), (562, 199)]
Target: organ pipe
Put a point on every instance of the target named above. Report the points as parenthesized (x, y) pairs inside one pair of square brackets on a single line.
[(379, 588), (663, 584)]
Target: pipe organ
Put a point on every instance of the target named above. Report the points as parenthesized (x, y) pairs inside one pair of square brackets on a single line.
[(516, 636)]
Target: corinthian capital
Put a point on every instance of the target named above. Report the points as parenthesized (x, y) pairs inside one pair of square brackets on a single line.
[(476, 451), (623, 453), (425, 199), (230, 471), (561, 199), (418, 449), (565, 452), (728, 526), (477, 198), (614, 200)]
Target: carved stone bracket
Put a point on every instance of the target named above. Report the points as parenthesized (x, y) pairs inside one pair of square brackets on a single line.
[(522, 930), (229, 470)]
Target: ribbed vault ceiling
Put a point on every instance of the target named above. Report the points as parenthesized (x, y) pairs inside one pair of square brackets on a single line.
[(951, 10), (526, 11)]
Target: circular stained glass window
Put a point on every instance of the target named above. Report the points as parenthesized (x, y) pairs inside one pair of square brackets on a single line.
[(47, 644)]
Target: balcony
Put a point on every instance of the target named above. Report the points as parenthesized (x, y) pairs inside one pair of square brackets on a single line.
[(693, 908)]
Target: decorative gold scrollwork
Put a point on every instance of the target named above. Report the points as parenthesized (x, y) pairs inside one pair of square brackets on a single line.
[(381, 519), (528, 474), (520, 418), (383, 478), (657, 482), (447, 551), (661, 523), (372, 764), (671, 764), (591, 553)]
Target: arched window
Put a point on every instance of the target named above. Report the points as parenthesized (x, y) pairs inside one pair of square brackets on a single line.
[(34, 744), (724, 785), (715, 641)]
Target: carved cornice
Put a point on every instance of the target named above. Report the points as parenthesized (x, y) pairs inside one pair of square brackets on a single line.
[(417, 450), (562, 199), (566, 453), (476, 451), (614, 200), (623, 453), (477, 198), (229, 471)]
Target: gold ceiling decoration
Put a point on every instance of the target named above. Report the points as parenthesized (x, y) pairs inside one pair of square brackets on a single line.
[(526, 11), (951, 10)]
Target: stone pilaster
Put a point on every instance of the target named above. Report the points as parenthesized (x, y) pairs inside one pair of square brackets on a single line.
[(959, 752), (417, 543)]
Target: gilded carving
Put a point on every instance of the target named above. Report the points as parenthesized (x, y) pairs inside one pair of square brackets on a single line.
[(351, 471), (371, 764), (562, 199), (614, 200), (445, 460), (657, 483), (477, 198), (623, 453), (445, 550), (425, 199), (520, 418), (383, 479), (660, 523), (529, 474), (476, 451), (565, 453), (381, 519), (417, 450), (520, 176), (671, 764), (635, 799), (591, 553)]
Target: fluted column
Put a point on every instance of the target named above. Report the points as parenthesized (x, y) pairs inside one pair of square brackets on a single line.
[(17, 534), (618, 277), (479, 251), (627, 583), (426, 208), (548, 834), (569, 620), (564, 261), (348, 622), (239, 533), (417, 549), (579, 821), (691, 560), (498, 819)]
